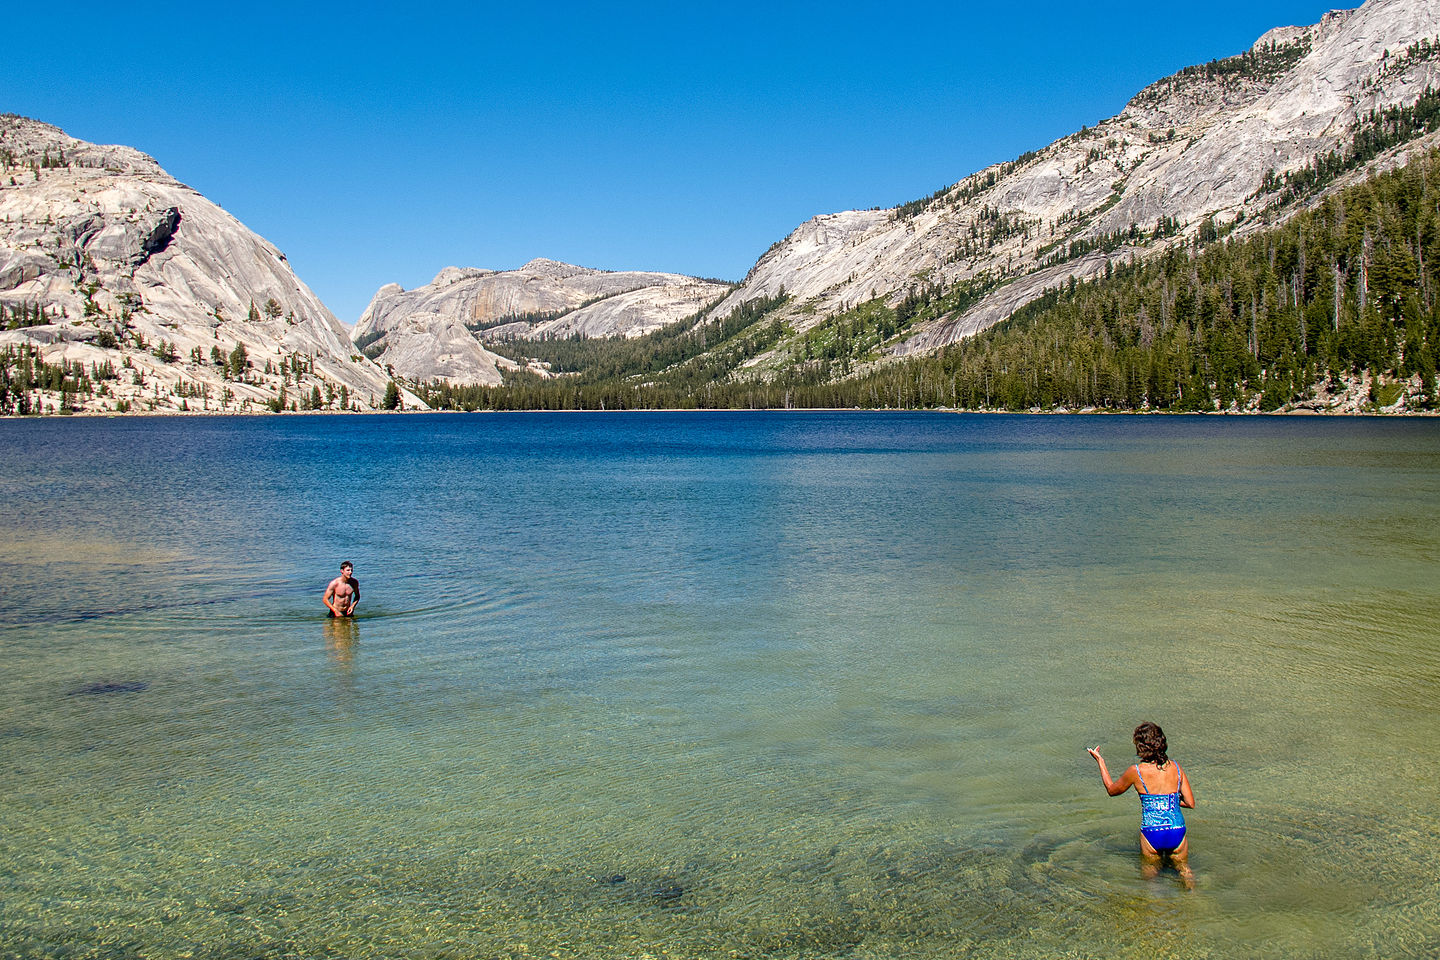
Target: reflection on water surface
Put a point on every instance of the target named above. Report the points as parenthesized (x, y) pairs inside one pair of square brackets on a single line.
[(714, 685)]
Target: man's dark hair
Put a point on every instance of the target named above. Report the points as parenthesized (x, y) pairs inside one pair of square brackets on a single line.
[(346, 563)]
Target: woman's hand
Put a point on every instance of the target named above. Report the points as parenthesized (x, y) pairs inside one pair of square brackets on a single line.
[(1095, 752)]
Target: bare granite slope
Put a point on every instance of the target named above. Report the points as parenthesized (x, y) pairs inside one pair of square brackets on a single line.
[(1189, 152), (544, 298), (128, 267)]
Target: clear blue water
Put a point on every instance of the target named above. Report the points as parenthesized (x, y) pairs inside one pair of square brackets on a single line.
[(715, 685)]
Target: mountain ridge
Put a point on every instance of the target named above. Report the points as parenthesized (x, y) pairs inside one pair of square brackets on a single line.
[(438, 330), (1189, 148), (153, 296), (1214, 150)]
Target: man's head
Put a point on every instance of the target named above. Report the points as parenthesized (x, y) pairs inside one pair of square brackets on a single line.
[(347, 568)]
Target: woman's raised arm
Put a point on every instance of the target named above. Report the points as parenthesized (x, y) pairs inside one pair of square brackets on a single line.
[(1113, 787)]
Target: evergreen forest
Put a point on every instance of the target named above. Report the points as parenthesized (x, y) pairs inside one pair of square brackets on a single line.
[(1343, 290)]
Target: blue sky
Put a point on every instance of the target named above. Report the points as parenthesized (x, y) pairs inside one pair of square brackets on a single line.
[(379, 143)]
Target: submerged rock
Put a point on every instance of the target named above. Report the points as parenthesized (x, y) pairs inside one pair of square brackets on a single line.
[(667, 892), (103, 687)]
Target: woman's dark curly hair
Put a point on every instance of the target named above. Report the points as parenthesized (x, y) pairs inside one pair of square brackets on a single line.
[(1150, 744)]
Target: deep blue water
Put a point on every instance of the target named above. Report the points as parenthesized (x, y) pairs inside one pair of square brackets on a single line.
[(809, 684)]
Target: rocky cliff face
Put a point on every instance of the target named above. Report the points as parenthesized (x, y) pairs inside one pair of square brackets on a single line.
[(108, 262), (1188, 153), (422, 333)]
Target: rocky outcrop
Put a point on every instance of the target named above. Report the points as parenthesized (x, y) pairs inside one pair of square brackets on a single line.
[(443, 349), (544, 298), (1188, 153), (132, 271)]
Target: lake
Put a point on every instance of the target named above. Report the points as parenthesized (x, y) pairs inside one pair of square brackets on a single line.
[(715, 685)]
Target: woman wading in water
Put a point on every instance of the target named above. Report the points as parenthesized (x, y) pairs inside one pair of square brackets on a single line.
[(1163, 789)]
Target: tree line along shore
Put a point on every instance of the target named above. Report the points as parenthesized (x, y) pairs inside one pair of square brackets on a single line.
[(1334, 310)]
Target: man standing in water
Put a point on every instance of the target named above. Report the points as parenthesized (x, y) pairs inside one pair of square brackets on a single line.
[(343, 593)]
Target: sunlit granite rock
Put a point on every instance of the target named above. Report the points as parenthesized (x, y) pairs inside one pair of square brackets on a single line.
[(1195, 147), (126, 263), (544, 298)]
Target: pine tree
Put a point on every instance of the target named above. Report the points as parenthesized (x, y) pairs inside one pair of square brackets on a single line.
[(239, 360)]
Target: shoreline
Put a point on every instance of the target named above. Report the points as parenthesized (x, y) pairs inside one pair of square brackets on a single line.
[(1033, 412)]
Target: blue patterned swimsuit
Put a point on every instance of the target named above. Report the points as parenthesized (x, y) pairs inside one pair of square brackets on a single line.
[(1161, 822)]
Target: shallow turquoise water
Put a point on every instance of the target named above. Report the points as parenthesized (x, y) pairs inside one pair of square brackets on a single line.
[(715, 685)]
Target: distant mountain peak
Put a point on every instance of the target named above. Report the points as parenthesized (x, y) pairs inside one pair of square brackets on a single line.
[(422, 333), (1202, 149)]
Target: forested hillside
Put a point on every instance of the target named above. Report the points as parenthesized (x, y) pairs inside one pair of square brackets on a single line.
[(1340, 294)]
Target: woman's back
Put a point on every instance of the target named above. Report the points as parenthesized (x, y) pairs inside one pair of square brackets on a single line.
[(1158, 779)]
